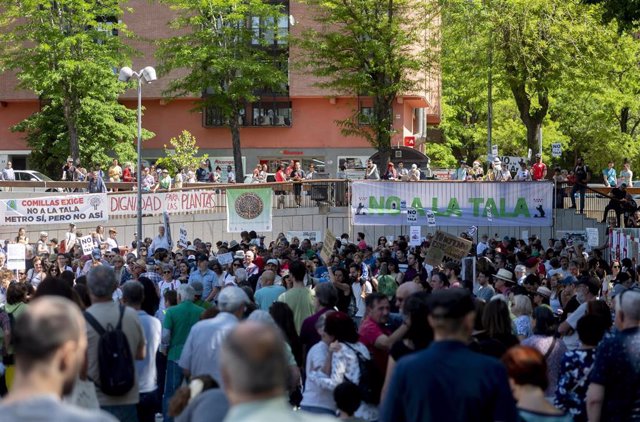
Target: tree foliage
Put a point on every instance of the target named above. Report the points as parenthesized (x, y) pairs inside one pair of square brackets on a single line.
[(371, 48), (64, 51), (183, 154), (231, 50), (625, 12)]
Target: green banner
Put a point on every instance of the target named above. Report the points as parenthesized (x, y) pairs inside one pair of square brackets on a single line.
[(249, 209)]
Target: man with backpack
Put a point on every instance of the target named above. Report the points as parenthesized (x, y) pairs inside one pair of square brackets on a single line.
[(115, 338)]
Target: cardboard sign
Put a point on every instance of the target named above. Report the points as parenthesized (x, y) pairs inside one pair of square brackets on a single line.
[(87, 244), (412, 215), (446, 246), (184, 239), (16, 255), (414, 235), (225, 258), (327, 246)]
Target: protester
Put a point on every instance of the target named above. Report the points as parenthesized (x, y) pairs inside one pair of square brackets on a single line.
[(104, 312), (527, 375), (50, 345), (435, 372)]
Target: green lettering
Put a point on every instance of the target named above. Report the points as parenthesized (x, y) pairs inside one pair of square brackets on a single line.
[(476, 205), (521, 208), (503, 206), (490, 206), (417, 204), (454, 208), (376, 207), (393, 205)]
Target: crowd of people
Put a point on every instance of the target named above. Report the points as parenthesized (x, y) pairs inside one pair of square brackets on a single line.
[(540, 332)]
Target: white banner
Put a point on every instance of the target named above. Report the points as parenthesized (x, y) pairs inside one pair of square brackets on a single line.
[(54, 209), (415, 235), (502, 204), (87, 244), (157, 203)]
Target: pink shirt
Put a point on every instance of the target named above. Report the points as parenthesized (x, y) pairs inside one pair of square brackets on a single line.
[(369, 333)]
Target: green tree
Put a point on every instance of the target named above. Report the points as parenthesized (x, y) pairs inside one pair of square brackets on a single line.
[(182, 155), (231, 50), (65, 51), (625, 12), (539, 44), (372, 48)]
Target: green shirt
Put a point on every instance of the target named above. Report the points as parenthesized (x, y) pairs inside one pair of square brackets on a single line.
[(179, 319), (387, 285), (202, 303), (300, 300)]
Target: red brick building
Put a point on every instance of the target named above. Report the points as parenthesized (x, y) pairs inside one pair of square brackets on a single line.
[(300, 126)]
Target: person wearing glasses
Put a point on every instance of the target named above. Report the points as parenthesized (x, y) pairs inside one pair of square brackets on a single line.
[(167, 283), (61, 262), (208, 278)]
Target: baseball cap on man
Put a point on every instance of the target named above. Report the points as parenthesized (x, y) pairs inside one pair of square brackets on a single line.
[(450, 303), (591, 284), (96, 254)]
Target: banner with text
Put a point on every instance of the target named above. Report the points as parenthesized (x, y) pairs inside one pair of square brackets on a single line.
[(249, 209), (157, 203), (54, 209), (505, 204)]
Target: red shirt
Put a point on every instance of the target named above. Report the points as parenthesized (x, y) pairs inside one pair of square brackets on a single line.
[(369, 333), (537, 170)]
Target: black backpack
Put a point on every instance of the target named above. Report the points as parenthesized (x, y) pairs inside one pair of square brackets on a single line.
[(371, 380), (115, 363)]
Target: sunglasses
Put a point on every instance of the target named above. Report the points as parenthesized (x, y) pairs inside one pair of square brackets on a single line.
[(22, 274), (616, 266), (237, 265), (167, 272)]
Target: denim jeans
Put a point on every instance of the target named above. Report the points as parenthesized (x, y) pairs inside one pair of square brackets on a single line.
[(582, 189), (124, 413), (172, 382), (148, 406)]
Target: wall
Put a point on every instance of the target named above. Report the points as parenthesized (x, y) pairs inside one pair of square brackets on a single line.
[(212, 227)]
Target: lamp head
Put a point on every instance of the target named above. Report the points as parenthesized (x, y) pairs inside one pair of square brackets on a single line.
[(125, 74), (149, 74)]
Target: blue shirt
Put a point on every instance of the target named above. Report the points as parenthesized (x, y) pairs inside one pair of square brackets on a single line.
[(265, 296), (448, 382), (617, 369), (146, 369), (209, 280), (610, 175)]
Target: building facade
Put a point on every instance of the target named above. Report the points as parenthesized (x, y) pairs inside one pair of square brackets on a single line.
[(300, 125)]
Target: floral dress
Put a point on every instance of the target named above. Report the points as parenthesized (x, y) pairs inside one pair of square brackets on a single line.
[(344, 366), (573, 383)]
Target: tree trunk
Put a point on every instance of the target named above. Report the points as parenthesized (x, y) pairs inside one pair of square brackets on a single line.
[(533, 133), (382, 109), (237, 149)]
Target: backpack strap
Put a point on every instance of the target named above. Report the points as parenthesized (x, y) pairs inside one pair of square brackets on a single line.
[(94, 323), (119, 326), (553, 345), (358, 354)]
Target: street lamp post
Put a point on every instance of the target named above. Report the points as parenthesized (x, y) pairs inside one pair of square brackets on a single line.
[(148, 75)]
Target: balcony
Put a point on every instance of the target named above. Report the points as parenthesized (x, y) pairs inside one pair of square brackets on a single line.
[(276, 112)]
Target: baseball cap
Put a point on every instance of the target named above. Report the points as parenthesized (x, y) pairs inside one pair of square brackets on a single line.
[(273, 261), (232, 295), (450, 303), (198, 287), (568, 280), (96, 254)]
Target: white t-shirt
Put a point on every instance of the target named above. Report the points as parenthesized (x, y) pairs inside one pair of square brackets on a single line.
[(356, 288), (572, 341)]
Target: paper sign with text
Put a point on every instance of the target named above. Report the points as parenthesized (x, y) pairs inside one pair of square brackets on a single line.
[(446, 246), (327, 246), (87, 244)]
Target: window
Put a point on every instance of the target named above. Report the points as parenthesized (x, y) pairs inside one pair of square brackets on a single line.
[(213, 117), (270, 31), (365, 116), (272, 113)]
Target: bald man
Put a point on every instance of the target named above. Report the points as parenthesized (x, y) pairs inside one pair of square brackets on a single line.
[(50, 344), (254, 370)]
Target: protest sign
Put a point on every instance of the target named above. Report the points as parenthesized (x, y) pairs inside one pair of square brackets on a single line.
[(54, 209), (249, 209), (184, 239), (16, 255), (446, 246), (327, 246), (415, 235), (592, 237), (412, 215), (225, 258), (556, 150), (313, 236), (87, 244), (452, 204), (122, 205)]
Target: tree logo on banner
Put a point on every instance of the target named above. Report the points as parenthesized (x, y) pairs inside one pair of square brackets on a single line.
[(249, 205), (95, 202)]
